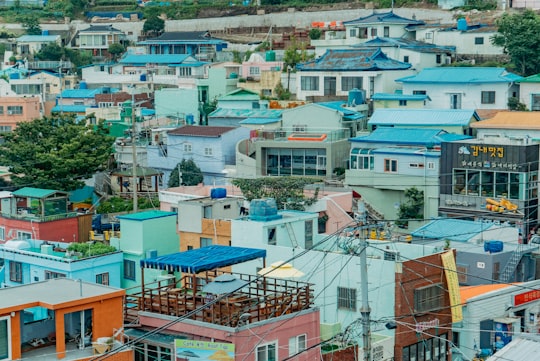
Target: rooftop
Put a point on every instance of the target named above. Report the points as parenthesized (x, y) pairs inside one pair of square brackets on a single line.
[(146, 215), (423, 117), (511, 120), (196, 131), (445, 75), (353, 60)]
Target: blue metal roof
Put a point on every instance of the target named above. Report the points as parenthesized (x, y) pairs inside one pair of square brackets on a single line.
[(445, 75), (445, 228), (421, 152), (146, 215), (387, 17), (155, 58), (246, 113), (406, 136), (70, 108), (37, 38), (350, 114), (409, 44), (203, 259), (86, 93), (353, 60), (423, 117), (399, 96), (147, 112), (256, 121)]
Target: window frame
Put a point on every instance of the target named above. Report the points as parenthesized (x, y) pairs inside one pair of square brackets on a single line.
[(265, 348), (49, 275), (129, 270), (487, 96), (347, 298), (479, 40), (429, 298), (15, 271), (309, 83), (103, 278), (390, 165), (297, 344)]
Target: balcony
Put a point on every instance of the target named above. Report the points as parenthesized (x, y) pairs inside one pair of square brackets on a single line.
[(311, 135)]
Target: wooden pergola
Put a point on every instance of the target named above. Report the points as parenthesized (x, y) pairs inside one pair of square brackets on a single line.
[(142, 174)]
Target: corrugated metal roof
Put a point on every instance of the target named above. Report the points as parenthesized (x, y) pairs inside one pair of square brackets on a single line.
[(423, 117), (203, 259), (419, 151), (70, 108), (339, 106), (475, 291), (398, 96), (416, 136), (36, 192), (146, 215), (387, 17), (255, 121), (413, 45), (154, 58), (530, 79), (523, 347), (445, 228), (511, 120), (86, 93), (353, 60), (37, 38), (241, 94), (245, 113), (200, 131), (445, 75)]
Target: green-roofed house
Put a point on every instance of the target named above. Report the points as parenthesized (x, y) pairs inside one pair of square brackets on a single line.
[(35, 213), (529, 92)]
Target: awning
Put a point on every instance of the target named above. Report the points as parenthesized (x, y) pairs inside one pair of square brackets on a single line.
[(203, 259)]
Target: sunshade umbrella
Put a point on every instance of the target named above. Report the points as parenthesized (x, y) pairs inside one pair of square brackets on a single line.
[(224, 283), (281, 270)]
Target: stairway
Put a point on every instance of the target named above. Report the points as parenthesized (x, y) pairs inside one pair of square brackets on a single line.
[(512, 263)]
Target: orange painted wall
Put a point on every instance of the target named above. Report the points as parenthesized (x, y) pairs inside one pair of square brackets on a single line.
[(30, 110), (222, 230)]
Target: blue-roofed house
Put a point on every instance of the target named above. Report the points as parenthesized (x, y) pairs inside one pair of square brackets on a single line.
[(98, 38), (76, 101), (199, 44), (312, 141), (456, 121), (398, 100), (464, 87), (333, 75), (419, 54), (29, 45), (529, 92), (357, 31), (486, 251), (388, 161)]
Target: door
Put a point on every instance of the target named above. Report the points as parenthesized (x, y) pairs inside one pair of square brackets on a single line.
[(329, 85), (5, 342), (321, 165), (455, 101)]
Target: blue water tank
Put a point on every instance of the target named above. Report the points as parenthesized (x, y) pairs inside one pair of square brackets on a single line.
[(14, 76), (462, 24), (263, 210), (233, 76), (218, 193), (83, 85), (190, 119), (143, 77), (45, 32), (356, 97), (493, 246)]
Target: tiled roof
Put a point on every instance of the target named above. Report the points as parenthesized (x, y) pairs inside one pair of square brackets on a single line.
[(407, 44), (100, 29), (445, 75), (387, 17), (445, 228), (511, 120), (200, 131), (183, 37), (423, 117), (353, 60)]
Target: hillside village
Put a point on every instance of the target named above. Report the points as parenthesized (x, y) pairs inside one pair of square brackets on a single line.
[(351, 189)]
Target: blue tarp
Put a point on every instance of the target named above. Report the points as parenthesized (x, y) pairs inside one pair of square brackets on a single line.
[(203, 259)]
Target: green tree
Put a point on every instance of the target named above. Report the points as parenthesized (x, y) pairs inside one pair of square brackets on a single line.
[(315, 34), (287, 191), (116, 50), (519, 35), (412, 208), (293, 55), (52, 51), (55, 152), (191, 174), (30, 22), (154, 24)]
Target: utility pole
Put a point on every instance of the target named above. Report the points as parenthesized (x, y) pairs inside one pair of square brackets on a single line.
[(134, 149), (365, 310)]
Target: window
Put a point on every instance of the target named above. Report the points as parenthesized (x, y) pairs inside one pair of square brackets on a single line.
[(15, 271), (462, 271), (309, 83), (429, 35), (227, 206), (5, 128), (149, 352), (308, 234), (24, 235), (390, 165), (188, 147), (2, 233), (267, 352), (402, 103), (207, 212), (346, 298), (391, 255), (184, 72), (351, 82), (102, 279), (478, 41), (299, 127), (205, 242), (14, 110), (406, 58), (431, 165), (49, 275), (438, 58), (297, 344), (208, 151), (386, 31), (419, 92), (352, 33), (129, 270), (1, 109), (272, 236), (429, 298), (488, 97), (416, 165), (373, 32), (5, 339), (254, 70)]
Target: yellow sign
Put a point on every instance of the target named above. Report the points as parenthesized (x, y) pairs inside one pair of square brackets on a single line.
[(450, 270)]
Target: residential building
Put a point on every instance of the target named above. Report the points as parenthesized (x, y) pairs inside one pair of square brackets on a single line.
[(509, 124), (334, 74), (463, 87), (198, 44), (17, 109), (389, 161), (64, 315), (31, 261), (30, 45), (494, 316), (78, 100), (529, 92), (476, 175), (33, 213), (521, 4), (399, 100), (98, 38), (144, 234), (279, 311), (210, 147), (522, 345), (486, 251), (456, 121)]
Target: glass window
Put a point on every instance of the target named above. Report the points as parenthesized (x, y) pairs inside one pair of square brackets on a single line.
[(386, 31), (406, 59), (309, 83), (473, 182), (15, 271), (129, 270), (5, 344), (487, 184), (438, 58), (488, 97), (272, 239), (205, 242), (478, 40), (267, 352), (308, 234), (419, 92), (428, 298), (514, 186), (351, 82), (458, 182), (297, 344), (501, 184), (402, 103), (102, 279), (346, 298), (390, 165), (50, 275)]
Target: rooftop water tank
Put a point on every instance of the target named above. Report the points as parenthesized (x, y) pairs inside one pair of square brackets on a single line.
[(270, 55), (462, 24), (493, 246), (263, 210), (356, 97), (83, 85), (190, 119), (218, 193)]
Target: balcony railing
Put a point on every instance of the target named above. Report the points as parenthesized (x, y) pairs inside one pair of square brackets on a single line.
[(302, 135)]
